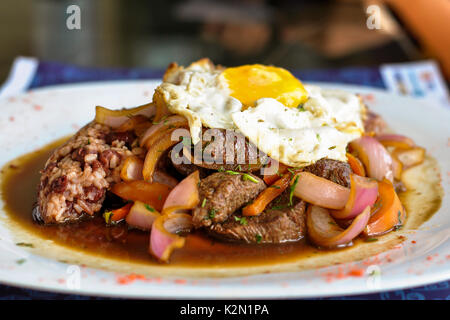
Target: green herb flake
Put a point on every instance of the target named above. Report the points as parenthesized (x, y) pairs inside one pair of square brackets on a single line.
[(107, 215), (246, 176), (318, 137), (21, 261), (204, 203), (258, 238), (291, 193), (331, 148), (301, 108), (233, 173), (212, 213), (241, 220), (371, 239), (159, 197), (400, 222), (149, 208), (275, 187), (24, 244)]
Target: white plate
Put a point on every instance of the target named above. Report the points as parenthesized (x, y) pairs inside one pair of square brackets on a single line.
[(36, 118)]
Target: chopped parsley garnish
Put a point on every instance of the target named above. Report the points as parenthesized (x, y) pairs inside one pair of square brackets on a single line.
[(279, 207), (246, 176), (204, 203), (212, 213), (318, 137), (241, 220), (331, 148), (25, 244), (332, 223), (301, 108), (149, 208), (291, 193), (221, 169), (371, 239), (400, 222), (21, 261), (258, 238), (274, 186), (232, 172), (107, 215)]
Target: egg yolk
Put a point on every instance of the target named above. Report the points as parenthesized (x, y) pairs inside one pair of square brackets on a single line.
[(249, 83)]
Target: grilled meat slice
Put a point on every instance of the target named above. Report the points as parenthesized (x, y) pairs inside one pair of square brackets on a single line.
[(221, 194)]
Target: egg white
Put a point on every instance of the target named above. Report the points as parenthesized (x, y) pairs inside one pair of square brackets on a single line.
[(297, 137)]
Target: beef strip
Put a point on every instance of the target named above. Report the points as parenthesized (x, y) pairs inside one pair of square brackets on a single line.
[(334, 170), (221, 194), (184, 168), (279, 223), (242, 153)]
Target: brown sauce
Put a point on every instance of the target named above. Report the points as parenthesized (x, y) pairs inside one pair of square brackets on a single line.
[(20, 180), (20, 177)]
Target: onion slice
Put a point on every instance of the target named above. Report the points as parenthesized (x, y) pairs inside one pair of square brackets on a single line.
[(409, 157), (320, 191), (376, 159), (155, 152), (142, 216), (184, 196), (164, 238), (132, 169), (395, 140), (363, 193), (154, 132), (115, 118), (324, 231)]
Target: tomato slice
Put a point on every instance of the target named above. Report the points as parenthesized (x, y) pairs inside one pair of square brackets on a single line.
[(153, 194), (389, 211)]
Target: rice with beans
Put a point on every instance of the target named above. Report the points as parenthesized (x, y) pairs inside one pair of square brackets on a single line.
[(77, 175)]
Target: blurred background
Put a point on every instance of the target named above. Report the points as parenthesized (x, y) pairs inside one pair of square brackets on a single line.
[(292, 34)]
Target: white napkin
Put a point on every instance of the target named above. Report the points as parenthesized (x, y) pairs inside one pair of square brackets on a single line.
[(20, 76)]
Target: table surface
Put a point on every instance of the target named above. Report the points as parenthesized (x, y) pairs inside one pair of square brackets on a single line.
[(52, 73)]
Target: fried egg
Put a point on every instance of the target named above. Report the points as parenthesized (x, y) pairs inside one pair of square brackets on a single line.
[(294, 124)]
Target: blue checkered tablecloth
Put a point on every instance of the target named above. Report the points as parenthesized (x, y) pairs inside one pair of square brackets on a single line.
[(52, 73)]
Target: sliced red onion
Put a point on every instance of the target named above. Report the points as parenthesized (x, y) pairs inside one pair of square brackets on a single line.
[(184, 196), (363, 193), (169, 122), (164, 238), (376, 159), (115, 118), (132, 169), (321, 192), (142, 216), (325, 232)]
